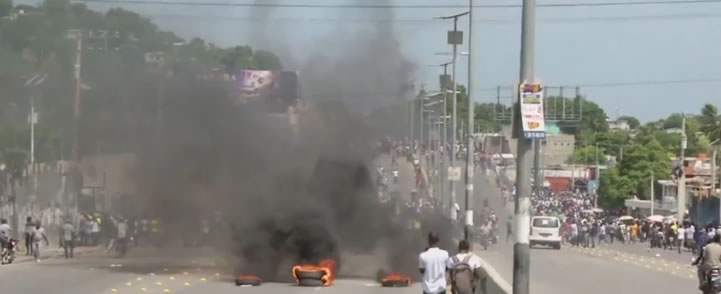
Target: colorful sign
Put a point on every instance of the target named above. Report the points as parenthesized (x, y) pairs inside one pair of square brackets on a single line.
[(532, 117), (272, 91)]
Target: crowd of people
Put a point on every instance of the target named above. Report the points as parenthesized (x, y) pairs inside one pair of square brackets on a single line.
[(566, 204)]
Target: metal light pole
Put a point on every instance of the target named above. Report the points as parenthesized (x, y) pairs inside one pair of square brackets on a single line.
[(455, 38), (469, 155), (421, 99), (412, 108), (31, 84), (444, 131), (521, 256), (75, 175), (681, 201)]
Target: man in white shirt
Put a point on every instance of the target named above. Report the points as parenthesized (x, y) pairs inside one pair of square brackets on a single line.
[(680, 238), (432, 265)]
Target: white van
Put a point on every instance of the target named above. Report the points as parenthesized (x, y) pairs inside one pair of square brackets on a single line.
[(545, 230)]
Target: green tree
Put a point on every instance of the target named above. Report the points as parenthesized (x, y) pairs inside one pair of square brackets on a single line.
[(121, 85), (710, 122), (266, 60), (593, 118), (673, 122), (612, 141), (633, 122), (643, 160), (238, 57), (587, 155), (6, 7), (614, 188)]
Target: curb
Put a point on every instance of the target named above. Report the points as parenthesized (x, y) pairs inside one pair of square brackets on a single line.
[(496, 277)]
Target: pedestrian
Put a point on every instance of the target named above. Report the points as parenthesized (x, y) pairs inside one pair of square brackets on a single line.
[(465, 270), (680, 235), (29, 225), (432, 265), (122, 236), (594, 234), (509, 228), (5, 232), (68, 231), (38, 235)]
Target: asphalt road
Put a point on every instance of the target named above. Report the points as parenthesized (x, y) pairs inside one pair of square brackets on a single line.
[(571, 270), (147, 271), (619, 268)]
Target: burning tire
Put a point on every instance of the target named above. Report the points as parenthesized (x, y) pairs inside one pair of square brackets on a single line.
[(310, 274), (396, 280), (310, 283), (315, 275), (248, 281)]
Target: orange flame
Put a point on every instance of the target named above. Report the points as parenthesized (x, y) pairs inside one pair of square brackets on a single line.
[(249, 278), (397, 277), (327, 266)]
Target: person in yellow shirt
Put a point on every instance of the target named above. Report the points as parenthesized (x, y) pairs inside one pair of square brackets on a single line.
[(635, 229)]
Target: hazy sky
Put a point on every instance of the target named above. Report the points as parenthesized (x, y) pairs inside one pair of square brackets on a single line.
[(588, 46)]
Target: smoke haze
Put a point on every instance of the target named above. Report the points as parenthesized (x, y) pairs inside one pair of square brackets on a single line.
[(284, 200)]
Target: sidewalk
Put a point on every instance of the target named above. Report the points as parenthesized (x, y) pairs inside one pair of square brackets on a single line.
[(57, 252)]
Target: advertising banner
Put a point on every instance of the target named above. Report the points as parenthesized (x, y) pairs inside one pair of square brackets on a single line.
[(532, 116), (272, 91)]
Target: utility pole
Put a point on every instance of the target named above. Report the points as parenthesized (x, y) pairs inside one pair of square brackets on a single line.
[(444, 132), (75, 173), (455, 38), (412, 108), (537, 176), (681, 201), (521, 254), (33, 121), (598, 180), (653, 195), (421, 100), (469, 154), (713, 176)]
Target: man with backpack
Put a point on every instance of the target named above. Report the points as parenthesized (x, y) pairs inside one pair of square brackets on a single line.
[(464, 269)]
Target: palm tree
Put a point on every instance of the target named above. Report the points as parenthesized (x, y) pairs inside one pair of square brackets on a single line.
[(711, 122)]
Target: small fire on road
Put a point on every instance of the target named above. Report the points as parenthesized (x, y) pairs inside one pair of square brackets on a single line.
[(396, 280), (324, 271)]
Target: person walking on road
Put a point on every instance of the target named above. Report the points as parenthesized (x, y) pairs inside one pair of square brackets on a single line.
[(509, 228), (5, 231), (122, 236), (432, 265), (464, 269), (29, 225), (38, 235), (68, 231)]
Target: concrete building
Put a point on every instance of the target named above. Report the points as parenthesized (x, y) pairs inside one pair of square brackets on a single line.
[(557, 149), (618, 125)]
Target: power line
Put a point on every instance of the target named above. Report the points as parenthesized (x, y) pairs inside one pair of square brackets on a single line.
[(627, 18), (648, 83), (413, 6), (620, 84)]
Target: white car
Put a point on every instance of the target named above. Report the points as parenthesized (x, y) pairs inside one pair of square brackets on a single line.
[(545, 230)]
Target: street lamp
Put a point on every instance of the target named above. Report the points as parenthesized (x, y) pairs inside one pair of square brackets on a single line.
[(32, 83)]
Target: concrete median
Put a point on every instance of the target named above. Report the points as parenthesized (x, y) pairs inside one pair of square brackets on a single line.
[(494, 283)]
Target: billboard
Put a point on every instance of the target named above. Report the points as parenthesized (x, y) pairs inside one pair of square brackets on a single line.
[(271, 91), (532, 111)]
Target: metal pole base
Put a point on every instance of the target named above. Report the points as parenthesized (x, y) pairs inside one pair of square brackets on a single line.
[(521, 270)]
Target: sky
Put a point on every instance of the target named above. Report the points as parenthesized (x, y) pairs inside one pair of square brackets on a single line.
[(613, 53)]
